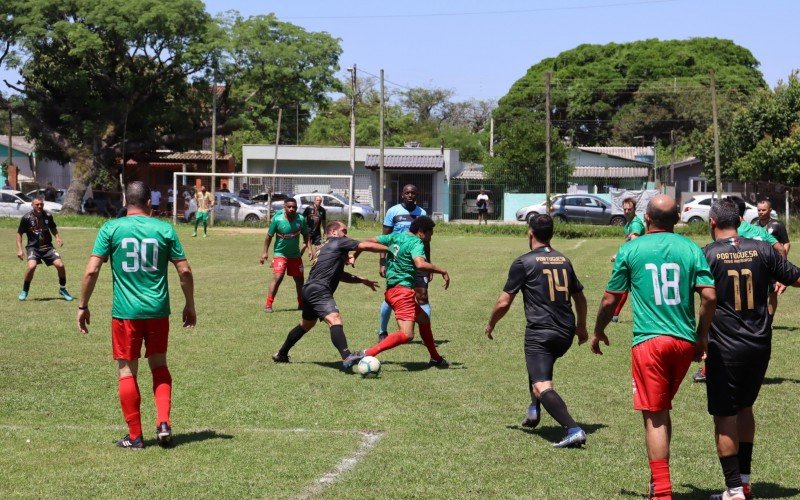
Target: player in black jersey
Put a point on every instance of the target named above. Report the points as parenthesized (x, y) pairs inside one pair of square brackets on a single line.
[(547, 281), (318, 304), (39, 226), (740, 339), (778, 230)]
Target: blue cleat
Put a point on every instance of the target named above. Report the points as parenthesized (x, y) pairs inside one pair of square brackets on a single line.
[(352, 359), (574, 439), (533, 416), (23, 295), (64, 293)]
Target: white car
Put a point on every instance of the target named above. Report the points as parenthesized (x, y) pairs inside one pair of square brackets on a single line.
[(17, 204), (335, 206), (229, 207), (697, 209), (525, 213)]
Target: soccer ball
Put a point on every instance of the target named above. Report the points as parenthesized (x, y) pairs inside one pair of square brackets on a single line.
[(369, 366)]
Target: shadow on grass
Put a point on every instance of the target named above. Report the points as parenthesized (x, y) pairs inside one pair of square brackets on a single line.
[(336, 365), (45, 299), (763, 490), (191, 437), (437, 342), (779, 380), (417, 366), (555, 433), (787, 328)]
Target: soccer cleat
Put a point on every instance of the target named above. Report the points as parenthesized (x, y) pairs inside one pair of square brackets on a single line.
[(163, 434), (64, 293), (615, 319), (205, 235), (439, 363), (699, 376), (281, 358), (729, 494), (267, 309), (574, 440), (382, 336), (132, 444), (23, 295), (194, 235), (532, 417), (352, 359)]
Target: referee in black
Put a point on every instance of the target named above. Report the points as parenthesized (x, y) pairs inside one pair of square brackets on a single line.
[(740, 340), (318, 304), (778, 230), (549, 285)]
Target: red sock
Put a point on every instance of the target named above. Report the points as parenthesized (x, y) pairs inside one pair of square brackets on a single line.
[(270, 300), (162, 391), (392, 340), (427, 338), (659, 471), (130, 400), (621, 303)]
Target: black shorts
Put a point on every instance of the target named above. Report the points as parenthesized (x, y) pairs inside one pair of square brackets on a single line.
[(733, 383), (422, 280), (48, 255), (317, 302), (542, 349), (483, 210), (316, 238)]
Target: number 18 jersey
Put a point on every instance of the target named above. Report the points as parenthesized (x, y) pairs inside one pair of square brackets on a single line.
[(661, 270), (140, 249)]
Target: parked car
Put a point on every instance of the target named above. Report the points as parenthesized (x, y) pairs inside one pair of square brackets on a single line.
[(336, 206), (229, 207), (697, 209), (277, 197), (469, 203), (525, 213), (40, 192), (580, 208), (16, 204)]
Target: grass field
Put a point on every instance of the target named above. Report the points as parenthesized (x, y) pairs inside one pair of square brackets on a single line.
[(246, 427)]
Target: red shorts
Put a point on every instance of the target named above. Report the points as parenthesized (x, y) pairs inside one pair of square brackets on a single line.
[(658, 367), (127, 336), (403, 302), (293, 266)]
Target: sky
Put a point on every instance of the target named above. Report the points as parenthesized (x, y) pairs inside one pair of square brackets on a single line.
[(479, 48)]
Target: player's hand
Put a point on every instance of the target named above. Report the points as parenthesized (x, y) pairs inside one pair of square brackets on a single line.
[(84, 318), (59, 241), (351, 260), (382, 271), (189, 317), (599, 337), (613, 257), (488, 331), (20, 255), (264, 257), (700, 348), (446, 277), (582, 334), (372, 284), (779, 288)]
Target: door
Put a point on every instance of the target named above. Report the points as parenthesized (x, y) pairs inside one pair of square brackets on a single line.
[(595, 211), (8, 204), (333, 207), (573, 208), (226, 208)]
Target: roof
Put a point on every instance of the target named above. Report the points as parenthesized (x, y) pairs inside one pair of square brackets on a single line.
[(471, 172), (19, 143), (611, 172), (406, 162), (193, 156), (685, 162), (625, 152)]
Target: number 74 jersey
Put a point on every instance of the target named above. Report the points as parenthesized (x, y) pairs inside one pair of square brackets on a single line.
[(661, 271), (140, 249)]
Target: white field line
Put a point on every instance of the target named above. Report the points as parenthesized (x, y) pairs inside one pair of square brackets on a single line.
[(578, 244), (368, 441), (254, 430)]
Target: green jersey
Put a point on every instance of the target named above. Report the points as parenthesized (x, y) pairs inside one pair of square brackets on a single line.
[(140, 249), (634, 226), (403, 248), (747, 230), (661, 270), (288, 234)]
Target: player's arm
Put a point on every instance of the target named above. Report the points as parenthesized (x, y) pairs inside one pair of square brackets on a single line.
[(382, 260), (90, 275), (187, 286), (370, 245), (500, 309), (708, 304), (423, 265), (265, 251), (780, 248), (350, 278), (20, 253), (581, 312), (54, 232), (607, 305)]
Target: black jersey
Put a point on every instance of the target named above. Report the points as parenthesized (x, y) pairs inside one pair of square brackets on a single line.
[(38, 229), (547, 281), (315, 218), (329, 265), (776, 229), (743, 269)]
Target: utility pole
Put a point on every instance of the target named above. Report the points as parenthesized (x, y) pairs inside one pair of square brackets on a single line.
[(381, 179), (213, 140), (717, 169), (547, 139), (354, 87), (274, 165), (491, 137), (10, 164), (297, 123), (672, 161)]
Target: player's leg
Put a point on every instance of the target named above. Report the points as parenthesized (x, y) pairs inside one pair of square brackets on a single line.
[(746, 430), (156, 341), (727, 439), (126, 344), (657, 426), (62, 279), (404, 305), (620, 304), (30, 269), (383, 323), (293, 337), (298, 285), (294, 268), (279, 265), (339, 340), (423, 319), (196, 222)]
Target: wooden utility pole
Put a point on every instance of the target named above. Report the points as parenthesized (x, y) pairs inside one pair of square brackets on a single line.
[(717, 169), (274, 165), (10, 164), (547, 139), (354, 86), (381, 179), (491, 137)]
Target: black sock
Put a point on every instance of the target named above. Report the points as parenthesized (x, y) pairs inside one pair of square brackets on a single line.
[(26, 286), (294, 335), (730, 469), (745, 457), (339, 340), (557, 409), (62, 282)]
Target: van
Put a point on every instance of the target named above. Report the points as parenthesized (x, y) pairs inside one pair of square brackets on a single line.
[(469, 202)]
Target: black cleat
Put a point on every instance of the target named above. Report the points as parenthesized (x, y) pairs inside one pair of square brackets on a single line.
[(699, 376), (352, 359), (381, 336), (164, 434), (132, 444), (281, 358), (439, 363)]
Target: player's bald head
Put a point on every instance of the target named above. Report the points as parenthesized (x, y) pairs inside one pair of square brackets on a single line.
[(662, 212), (137, 194), (334, 226)]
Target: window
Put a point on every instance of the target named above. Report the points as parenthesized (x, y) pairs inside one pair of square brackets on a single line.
[(7, 198), (697, 184), (332, 202), (706, 202), (573, 202), (591, 202)]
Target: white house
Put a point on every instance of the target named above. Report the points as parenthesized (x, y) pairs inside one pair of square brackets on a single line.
[(25, 159)]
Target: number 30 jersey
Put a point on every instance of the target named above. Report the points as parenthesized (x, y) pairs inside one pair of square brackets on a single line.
[(140, 249), (547, 281), (743, 269), (661, 270)]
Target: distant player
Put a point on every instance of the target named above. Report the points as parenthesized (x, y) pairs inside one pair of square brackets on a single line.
[(405, 257), (205, 202), (287, 226), (547, 281), (633, 229), (316, 221), (140, 249), (318, 304), (778, 230), (40, 227), (739, 344), (661, 270)]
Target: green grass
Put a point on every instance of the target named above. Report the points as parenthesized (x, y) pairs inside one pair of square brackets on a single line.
[(448, 433)]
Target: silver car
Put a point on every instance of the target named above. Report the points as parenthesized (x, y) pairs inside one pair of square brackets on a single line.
[(229, 207), (336, 206), (17, 204)]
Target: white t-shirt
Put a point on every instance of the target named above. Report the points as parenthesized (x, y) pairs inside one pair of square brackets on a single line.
[(155, 197), (484, 197)]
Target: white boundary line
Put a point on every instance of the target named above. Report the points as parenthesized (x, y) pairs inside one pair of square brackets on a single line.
[(578, 244)]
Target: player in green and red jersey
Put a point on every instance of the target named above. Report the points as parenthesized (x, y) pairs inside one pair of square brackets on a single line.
[(661, 270), (287, 226), (405, 257), (140, 249), (633, 229)]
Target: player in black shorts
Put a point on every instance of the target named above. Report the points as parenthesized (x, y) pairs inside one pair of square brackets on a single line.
[(547, 281), (318, 304), (40, 228), (740, 339), (778, 230)]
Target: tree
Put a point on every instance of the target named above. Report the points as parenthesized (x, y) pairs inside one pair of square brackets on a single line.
[(425, 103)]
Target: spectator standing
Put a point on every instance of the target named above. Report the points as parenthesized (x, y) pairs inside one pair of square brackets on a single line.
[(50, 193), (244, 192)]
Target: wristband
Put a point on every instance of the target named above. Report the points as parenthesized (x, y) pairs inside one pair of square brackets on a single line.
[(83, 308), (382, 261)]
